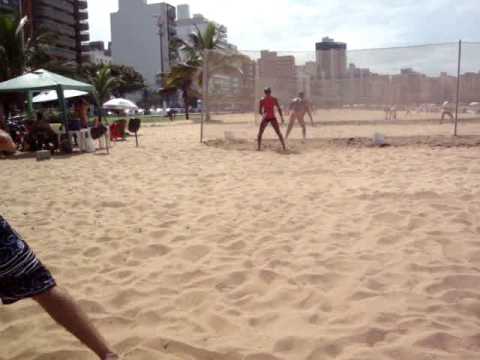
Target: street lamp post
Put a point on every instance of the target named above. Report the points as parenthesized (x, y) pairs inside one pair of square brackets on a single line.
[(162, 64)]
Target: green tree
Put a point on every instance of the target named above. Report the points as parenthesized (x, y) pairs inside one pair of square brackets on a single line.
[(183, 77), (16, 55), (127, 79), (104, 84), (211, 47)]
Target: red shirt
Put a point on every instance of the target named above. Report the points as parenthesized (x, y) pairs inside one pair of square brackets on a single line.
[(268, 104)]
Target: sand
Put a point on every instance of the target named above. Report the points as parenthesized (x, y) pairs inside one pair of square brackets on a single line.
[(184, 251)]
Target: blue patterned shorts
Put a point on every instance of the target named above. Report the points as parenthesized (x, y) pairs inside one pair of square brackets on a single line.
[(22, 275)]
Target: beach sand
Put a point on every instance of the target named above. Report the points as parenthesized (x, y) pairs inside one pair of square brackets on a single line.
[(179, 250)]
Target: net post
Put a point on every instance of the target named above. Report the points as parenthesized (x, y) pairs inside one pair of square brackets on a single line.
[(204, 93), (455, 132), (255, 84)]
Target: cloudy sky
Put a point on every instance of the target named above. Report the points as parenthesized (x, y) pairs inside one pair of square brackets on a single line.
[(297, 24)]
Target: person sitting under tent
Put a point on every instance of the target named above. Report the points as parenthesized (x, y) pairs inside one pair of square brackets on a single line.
[(23, 276), (40, 136), (7, 145)]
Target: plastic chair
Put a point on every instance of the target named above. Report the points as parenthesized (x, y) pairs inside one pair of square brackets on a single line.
[(134, 126)]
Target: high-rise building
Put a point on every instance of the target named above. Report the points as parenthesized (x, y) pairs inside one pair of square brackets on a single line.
[(331, 59), (67, 20), (278, 72), (183, 12), (141, 35)]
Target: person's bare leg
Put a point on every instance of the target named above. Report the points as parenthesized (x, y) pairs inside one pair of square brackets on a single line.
[(301, 121), (291, 123), (263, 125), (63, 309), (279, 134)]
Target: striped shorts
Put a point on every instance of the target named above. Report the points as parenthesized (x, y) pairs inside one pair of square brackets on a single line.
[(22, 275)]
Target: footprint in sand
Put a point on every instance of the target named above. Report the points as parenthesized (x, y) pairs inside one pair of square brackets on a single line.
[(289, 344), (112, 204), (195, 253), (261, 356), (441, 341), (467, 282), (150, 251), (92, 252)]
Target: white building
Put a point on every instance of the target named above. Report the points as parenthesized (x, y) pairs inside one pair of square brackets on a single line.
[(98, 54), (187, 25), (141, 34)]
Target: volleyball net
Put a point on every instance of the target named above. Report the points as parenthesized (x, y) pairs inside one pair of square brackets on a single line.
[(395, 92)]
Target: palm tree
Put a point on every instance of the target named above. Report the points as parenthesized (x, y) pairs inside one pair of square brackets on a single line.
[(16, 55), (12, 60), (184, 77), (208, 47), (104, 84)]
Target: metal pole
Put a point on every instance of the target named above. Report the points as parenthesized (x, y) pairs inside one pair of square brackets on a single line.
[(256, 83), (458, 86), (204, 92), (63, 106), (162, 64)]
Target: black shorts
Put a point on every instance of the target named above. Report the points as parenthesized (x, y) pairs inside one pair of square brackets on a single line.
[(22, 275)]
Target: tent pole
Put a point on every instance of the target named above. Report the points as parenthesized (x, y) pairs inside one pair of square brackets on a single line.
[(204, 94), (29, 104), (63, 105), (457, 101)]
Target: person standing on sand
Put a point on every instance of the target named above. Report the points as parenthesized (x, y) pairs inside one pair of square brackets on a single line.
[(23, 276), (298, 108), (267, 111)]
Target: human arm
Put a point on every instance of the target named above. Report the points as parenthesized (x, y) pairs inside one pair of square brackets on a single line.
[(260, 108)]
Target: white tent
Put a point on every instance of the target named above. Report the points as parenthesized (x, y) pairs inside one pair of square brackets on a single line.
[(51, 95)]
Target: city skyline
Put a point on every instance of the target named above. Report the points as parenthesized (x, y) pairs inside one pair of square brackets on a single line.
[(298, 24)]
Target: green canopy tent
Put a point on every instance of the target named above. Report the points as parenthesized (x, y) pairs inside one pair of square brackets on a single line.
[(39, 80)]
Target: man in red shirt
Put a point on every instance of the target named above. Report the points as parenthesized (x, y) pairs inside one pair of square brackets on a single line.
[(267, 110)]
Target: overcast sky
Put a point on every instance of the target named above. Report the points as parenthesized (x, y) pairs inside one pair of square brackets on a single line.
[(298, 24), (295, 25)]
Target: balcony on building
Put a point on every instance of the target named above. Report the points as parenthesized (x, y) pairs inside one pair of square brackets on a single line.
[(84, 37), (82, 4), (55, 15), (83, 15), (85, 48), (83, 26), (61, 5)]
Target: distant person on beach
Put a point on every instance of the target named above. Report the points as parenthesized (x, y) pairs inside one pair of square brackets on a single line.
[(391, 113), (267, 111), (22, 276), (447, 111), (298, 108)]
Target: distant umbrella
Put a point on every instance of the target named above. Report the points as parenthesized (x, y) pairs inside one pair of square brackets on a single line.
[(120, 104)]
